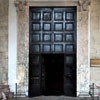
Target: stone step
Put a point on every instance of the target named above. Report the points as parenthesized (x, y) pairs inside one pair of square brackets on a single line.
[(21, 94), (56, 98)]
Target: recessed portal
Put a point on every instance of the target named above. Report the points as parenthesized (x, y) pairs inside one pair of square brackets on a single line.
[(54, 73), (52, 54)]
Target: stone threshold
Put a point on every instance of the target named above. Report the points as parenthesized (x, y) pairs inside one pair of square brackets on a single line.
[(55, 98)]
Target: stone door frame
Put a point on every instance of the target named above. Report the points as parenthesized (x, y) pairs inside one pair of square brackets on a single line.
[(83, 66)]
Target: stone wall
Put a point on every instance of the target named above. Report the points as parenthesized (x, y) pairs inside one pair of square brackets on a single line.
[(95, 40), (3, 41)]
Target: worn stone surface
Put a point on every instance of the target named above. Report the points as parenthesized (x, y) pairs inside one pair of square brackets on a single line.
[(54, 0), (23, 47), (3, 41), (95, 78), (95, 29), (95, 42), (56, 98), (83, 69)]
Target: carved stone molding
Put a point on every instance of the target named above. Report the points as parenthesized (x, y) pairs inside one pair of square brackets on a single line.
[(84, 5), (21, 4)]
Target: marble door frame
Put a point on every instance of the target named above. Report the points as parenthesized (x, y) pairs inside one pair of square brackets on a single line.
[(83, 67)]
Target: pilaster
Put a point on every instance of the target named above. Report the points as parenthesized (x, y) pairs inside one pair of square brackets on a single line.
[(22, 8)]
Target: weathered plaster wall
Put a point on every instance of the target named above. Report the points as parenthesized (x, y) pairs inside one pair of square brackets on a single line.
[(95, 78), (95, 29), (95, 39), (3, 41)]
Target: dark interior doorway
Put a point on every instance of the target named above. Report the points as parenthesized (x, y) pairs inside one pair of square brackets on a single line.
[(52, 51), (54, 73)]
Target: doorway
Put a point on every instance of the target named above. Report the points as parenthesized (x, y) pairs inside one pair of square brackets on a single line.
[(54, 74), (52, 51)]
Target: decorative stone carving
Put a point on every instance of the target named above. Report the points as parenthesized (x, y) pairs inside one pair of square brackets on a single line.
[(84, 4), (21, 4)]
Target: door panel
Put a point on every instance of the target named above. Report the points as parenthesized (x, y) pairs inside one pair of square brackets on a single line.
[(70, 75), (52, 31), (34, 75)]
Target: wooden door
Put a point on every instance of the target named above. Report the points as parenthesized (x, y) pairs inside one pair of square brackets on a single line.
[(52, 31)]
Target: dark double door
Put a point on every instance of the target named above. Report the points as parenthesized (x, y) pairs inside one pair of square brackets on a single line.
[(52, 53)]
